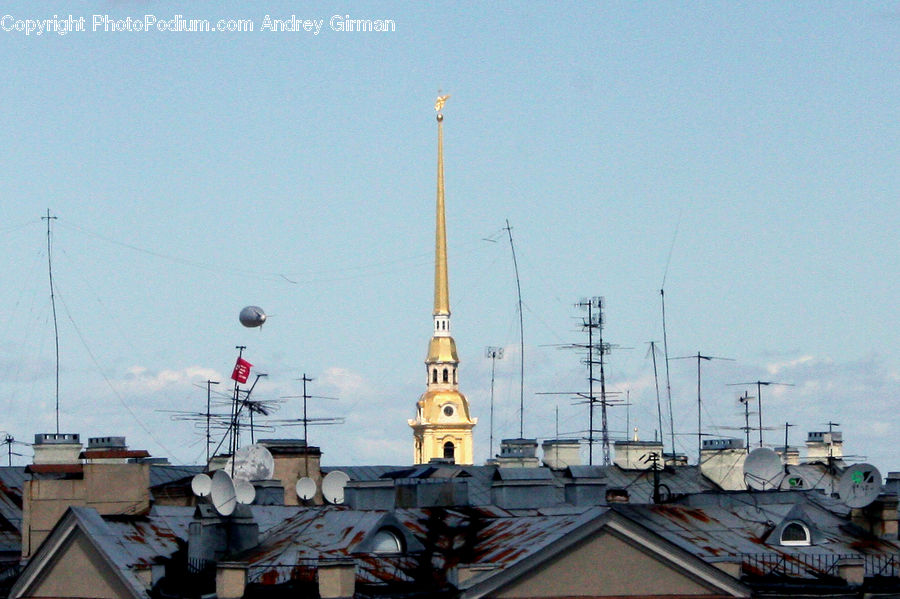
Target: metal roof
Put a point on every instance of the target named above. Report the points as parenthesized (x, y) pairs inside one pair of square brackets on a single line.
[(163, 474), (742, 524)]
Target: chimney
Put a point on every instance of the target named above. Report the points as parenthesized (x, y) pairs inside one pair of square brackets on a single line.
[(57, 448), (722, 461), (518, 453), (821, 445), (636, 455), (337, 578), (559, 454), (231, 580)]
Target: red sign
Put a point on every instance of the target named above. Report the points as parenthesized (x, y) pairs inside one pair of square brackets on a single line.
[(241, 370)]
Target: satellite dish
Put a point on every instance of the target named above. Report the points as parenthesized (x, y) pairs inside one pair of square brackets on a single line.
[(201, 485), (222, 493), (860, 485), (793, 482), (763, 469), (333, 486), (306, 488), (252, 316), (253, 462), (244, 492)]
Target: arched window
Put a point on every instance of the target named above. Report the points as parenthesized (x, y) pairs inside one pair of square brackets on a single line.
[(387, 541), (454, 376), (446, 376), (795, 533), (434, 375), (449, 450)]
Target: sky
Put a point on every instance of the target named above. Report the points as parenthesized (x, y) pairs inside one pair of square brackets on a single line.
[(741, 156)]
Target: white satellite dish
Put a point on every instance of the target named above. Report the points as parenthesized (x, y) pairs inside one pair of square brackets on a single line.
[(244, 492), (333, 486), (306, 488), (763, 469), (222, 493), (253, 462), (860, 485), (201, 485), (252, 316)]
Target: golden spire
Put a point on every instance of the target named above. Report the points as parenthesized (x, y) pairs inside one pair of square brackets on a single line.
[(441, 285)]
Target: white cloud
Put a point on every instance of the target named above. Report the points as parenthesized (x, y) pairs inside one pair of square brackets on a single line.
[(139, 379)]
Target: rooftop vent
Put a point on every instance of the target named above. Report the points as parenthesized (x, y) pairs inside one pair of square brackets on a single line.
[(719, 444), (106, 443)]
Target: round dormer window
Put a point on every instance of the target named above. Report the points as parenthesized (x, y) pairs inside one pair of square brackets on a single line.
[(795, 533), (448, 411), (387, 541)]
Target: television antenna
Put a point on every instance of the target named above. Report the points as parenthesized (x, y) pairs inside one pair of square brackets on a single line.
[(512, 247), (700, 357), (759, 386), (9, 441), (306, 421), (494, 353), (49, 219), (652, 352)]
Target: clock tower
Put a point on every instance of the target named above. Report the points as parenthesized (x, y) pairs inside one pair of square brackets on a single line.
[(442, 427)]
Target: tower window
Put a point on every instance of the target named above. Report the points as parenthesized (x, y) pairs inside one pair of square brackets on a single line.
[(446, 376), (448, 450), (434, 375), (454, 376)]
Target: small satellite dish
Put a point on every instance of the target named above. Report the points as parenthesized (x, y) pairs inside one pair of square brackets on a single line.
[(333, 486), (244, 492), (252, 462), (860, 485), (763, 469), (306, 488), (793, 482), (222, 493), (252, 316), (201, 485)]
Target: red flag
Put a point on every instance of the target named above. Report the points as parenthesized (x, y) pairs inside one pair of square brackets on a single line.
[(241, 370)]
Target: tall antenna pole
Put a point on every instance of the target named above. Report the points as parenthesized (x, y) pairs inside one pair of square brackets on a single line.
[(745, 399), (662, 297), (494, 353), (235, 433), (49, 218), (759, 386), (521, 337), (658, 406), (604, 424), (209, 385), (700, 357)]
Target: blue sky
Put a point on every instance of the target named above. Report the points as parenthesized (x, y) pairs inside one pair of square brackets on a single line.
[(744, 153)]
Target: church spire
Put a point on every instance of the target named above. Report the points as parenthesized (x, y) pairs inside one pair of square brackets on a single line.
[(442, 427), (441, 285)]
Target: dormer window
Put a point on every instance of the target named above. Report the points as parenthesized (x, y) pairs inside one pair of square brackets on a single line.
[(795, 534), (387, 541)]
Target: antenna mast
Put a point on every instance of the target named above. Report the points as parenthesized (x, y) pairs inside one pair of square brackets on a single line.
[(49, 218), (494, 353), (662, 297), (759, 386), (658, 405), (700, 357), (521, 337)]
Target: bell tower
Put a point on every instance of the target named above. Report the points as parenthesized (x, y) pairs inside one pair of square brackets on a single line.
[(442, 427)]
